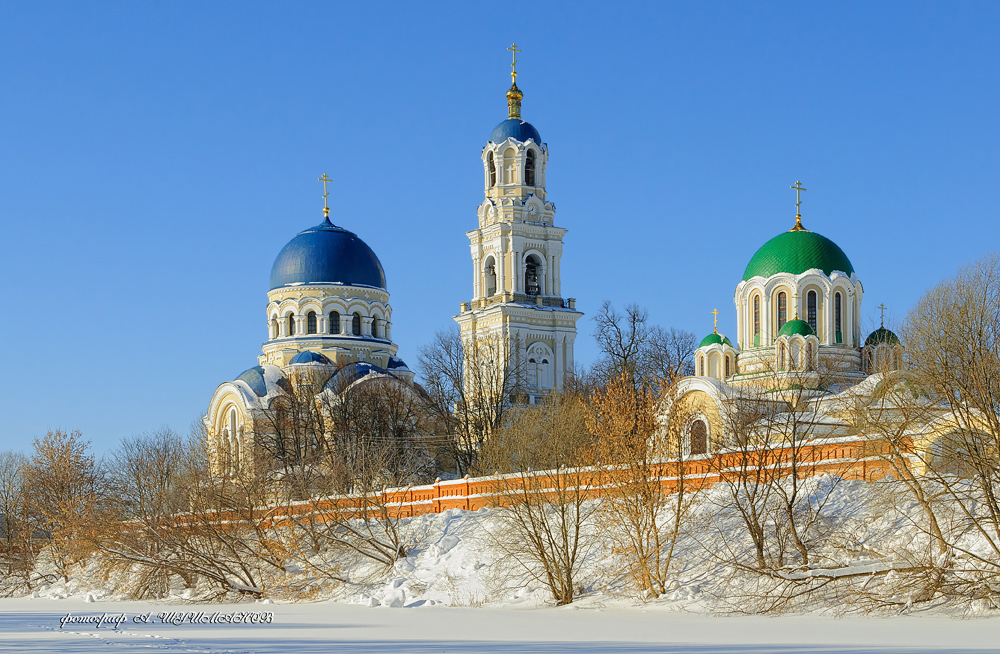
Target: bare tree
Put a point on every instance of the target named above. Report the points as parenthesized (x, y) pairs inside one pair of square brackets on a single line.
[(646, 353), (17, 548), (633, 512), (66, 496), (545, 492), (952, 340), (472, 386)]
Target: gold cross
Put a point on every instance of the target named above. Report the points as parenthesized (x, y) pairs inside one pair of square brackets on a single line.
[(716, 312), (798, 190), (326, 205), (798, 201), (883, 308), (513, 66)]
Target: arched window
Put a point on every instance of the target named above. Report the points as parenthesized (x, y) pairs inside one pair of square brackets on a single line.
[(234, 443), (356, 324), (532, 284), (756, 320), (781, 357), (782, 309), (727, 367), (492, 168), (291, 325), (529, 168), (699, 437), (311, 322), (811, 310), (334, 327), (375, 327), (491, 277), (809, 363), (839, 334)]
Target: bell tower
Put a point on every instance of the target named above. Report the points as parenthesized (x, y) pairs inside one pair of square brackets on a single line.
[(516, 249)]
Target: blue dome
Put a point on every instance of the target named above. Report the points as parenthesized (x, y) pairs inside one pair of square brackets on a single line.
[(327, 254), (517, 129), (260, 378), (255, 380), (306, 356), (350, 373), (395, 363)]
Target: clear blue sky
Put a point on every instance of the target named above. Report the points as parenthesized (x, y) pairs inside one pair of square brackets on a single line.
[(157, 155)]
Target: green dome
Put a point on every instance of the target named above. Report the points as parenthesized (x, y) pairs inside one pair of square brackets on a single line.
[(800, 327), (714, 338), (796, 252), (882, 335)]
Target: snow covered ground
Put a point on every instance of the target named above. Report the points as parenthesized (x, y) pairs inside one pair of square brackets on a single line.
[(33, 625), (455, 592)]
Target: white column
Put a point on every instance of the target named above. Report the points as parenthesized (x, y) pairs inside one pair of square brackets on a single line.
[(560, 372), (501, 264), (549, 276), (477, 276), (366, 325)]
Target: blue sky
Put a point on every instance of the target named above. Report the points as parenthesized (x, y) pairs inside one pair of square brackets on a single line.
[(156, 156)]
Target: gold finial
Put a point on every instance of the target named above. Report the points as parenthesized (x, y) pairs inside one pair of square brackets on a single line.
[(716, 312), (798, 202), (514, 95), (883, 308), (326, 205)]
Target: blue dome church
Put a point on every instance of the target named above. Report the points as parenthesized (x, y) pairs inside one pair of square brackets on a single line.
[(329, 326)]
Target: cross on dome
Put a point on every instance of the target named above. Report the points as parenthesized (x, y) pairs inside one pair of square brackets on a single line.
[(883, 308), (798, 203), (716, 312), (514, 95), (326, 205), (513, 66)]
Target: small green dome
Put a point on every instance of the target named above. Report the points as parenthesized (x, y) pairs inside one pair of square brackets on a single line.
[(882, 335), (796, 252), (800, 327), (714, 338)]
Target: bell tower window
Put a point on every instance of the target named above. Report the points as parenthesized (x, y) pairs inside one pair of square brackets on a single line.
[(334, 322), (782, 309), (532, 285), (492, 167), (490, 272), (529, 168), (311, 322)]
